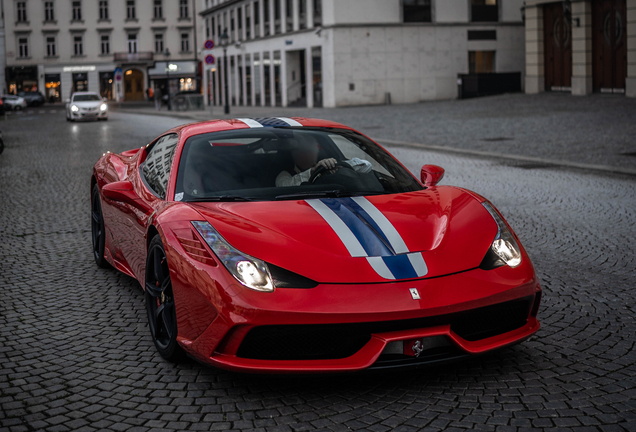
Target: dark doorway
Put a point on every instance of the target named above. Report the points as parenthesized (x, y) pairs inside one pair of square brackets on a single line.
[(80, 82), (106, 85), (609, 45), (557, 40)]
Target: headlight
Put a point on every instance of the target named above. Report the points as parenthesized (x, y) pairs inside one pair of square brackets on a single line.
[(504, 248), (250, 271), (103, 107), (74, 108)]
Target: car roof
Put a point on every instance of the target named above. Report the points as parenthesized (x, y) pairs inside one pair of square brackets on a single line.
[(191, 129)]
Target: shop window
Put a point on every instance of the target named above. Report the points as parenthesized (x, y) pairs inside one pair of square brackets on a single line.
[(183, 9), (132, 43), (484, 11), (52, 87), (49, 13), (481, 62), (185, 42), (23, 47), (51, 48), (105, 44), (76, 10), (80, 82), (131, 12), (78, 45), (158, 11), (103, 9), (417, 10), (187, 84), (158, 43)]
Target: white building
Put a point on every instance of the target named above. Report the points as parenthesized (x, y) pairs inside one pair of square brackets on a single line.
[(348, 52), (61, 46)]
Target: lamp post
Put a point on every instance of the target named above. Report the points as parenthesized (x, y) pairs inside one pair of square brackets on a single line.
[(166, 54), (225, 41)]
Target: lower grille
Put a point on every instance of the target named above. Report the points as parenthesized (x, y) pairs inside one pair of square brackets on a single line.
[(336, 341)]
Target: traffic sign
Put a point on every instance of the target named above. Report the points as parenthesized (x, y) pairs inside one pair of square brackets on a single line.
[(209, 59), (209, 44)]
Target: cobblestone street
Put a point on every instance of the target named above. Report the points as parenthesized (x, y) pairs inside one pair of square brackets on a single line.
[(76, 353)]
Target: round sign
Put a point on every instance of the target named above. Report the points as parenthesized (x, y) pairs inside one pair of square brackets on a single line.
[(118, 77), (209, 59), (209, 44)]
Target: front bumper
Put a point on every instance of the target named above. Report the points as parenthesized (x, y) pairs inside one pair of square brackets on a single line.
[(89, 115), (224, 324)]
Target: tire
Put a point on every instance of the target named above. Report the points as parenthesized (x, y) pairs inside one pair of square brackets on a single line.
[(97, 229), (160, 306)]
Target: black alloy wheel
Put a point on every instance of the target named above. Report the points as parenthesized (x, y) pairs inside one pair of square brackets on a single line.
[(162, 315), (97, 229)]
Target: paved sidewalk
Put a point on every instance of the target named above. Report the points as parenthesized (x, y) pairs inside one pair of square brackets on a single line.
[(596, 132)]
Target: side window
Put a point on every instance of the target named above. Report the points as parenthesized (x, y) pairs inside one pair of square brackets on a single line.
[(156, 168)]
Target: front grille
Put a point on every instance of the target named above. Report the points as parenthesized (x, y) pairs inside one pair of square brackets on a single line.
[(335, 341)]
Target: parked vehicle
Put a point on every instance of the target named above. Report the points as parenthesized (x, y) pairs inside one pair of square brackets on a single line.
[(1, 106), (32, 98), (86, 106), (15, 103)]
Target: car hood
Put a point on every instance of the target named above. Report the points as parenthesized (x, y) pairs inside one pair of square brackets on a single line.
[(87, 104), (429, 233)]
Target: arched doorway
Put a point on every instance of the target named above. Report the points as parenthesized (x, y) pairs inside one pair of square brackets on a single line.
[(133, 85)]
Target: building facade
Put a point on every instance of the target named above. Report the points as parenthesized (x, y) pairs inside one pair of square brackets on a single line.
[(581, 47), (350, 52), (115, 47)]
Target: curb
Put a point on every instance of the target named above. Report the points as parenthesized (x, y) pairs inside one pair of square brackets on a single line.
[(491, 155)]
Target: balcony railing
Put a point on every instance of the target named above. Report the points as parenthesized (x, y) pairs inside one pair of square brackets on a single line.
[(134, 57)]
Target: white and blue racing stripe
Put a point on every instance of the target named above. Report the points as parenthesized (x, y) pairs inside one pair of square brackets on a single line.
[(366, 232), (269, 122)]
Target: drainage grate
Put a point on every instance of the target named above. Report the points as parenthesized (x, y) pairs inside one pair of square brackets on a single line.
[(629, 153), (528, 165), (497, 139)]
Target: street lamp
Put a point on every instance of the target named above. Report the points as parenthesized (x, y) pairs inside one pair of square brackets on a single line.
[(225, 41), (166, 54)]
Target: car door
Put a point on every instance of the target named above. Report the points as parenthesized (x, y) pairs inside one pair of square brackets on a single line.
[(152, 187)]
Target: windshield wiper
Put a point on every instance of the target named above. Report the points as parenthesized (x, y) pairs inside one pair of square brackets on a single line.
[(218, 198), (326, 194)]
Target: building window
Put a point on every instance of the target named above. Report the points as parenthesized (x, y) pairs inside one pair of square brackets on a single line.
[(276, 16), (51, 49), (481, 62), (257, 20), (158, 43), (132, 43), (158, 9), (289, 15), (317, 13), (417, 10), (77, 10), (49, 14), (185, 42), (207, 28), (21, 10), (105, 44), (23, 47), (248, 23), (131, 13), (484, 11), (266, 31), (183, 9), (239, 17), (212, 20), (302, 14), (78, 45), (103, 9)]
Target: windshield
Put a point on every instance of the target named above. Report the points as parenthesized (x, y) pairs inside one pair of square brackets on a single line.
[(86, 98), (285, 163)]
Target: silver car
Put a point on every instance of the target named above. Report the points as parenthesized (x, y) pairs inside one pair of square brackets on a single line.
[(86, 106), (15, 103)]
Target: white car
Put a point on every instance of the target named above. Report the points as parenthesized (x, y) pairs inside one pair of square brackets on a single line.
[(15, 103), (86, 106)]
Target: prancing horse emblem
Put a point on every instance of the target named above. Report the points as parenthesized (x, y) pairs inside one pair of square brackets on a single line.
[(417, 348), (414, 293)]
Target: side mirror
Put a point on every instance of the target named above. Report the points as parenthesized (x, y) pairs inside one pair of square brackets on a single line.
[(431, 175), (121, 191)]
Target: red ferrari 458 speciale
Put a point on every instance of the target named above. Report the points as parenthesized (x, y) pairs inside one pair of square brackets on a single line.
[(300, 245)]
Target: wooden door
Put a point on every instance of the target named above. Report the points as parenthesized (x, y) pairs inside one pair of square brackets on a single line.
[(609, 45), (133, 85), (557, 41)]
